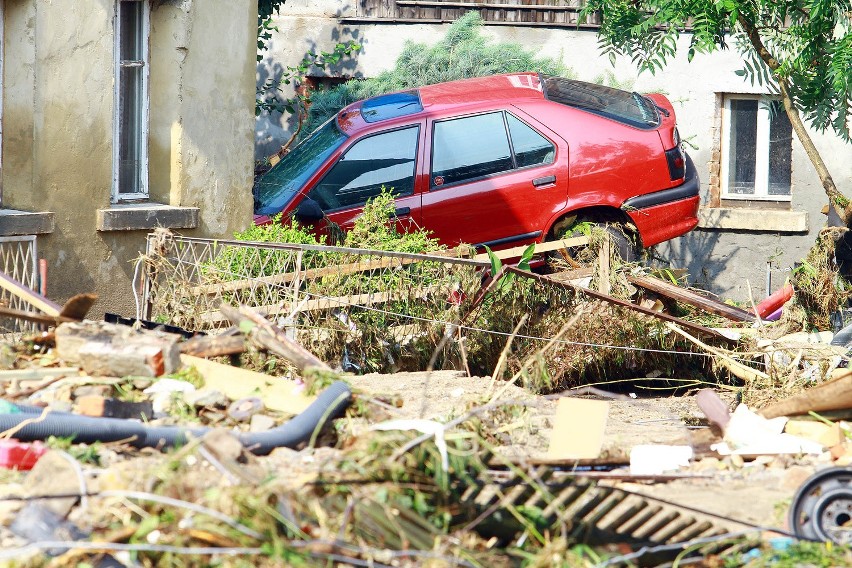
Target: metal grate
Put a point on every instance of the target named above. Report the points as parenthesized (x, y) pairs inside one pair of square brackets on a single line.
[(19, 259), (594, 513)]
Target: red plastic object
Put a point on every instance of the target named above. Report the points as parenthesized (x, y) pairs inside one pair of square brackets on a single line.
[(774, 302), (20, 455)]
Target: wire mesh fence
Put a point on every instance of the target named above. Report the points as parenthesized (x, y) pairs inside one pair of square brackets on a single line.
[(19, 260), (370, 310)]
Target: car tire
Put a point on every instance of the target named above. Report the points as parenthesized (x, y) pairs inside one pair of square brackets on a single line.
[(623, 241)]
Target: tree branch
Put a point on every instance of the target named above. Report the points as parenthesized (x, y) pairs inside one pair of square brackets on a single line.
[(837, 200)]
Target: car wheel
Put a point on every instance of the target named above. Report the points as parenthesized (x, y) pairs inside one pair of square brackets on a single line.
[(623, 241)]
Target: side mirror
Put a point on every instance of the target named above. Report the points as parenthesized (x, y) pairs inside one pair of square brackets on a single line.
[(309, 211)]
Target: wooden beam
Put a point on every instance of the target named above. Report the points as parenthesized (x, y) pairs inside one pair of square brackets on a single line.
[(835, 394), (34, 317), (319, 304), (311, 274), (691, 298), (548, 246), (706, 331), (37, 300)]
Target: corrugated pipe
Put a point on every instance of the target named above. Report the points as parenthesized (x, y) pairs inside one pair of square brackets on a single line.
[(85, 430)]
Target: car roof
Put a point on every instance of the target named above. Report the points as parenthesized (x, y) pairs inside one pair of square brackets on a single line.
[(510, 87)]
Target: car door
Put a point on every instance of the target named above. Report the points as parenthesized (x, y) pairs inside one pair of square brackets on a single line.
[(495, 180), (386, 159)]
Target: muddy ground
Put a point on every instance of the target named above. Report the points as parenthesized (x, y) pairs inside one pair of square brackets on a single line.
[(755, 491)]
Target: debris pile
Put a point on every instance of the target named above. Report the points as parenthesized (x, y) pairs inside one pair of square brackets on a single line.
[(266, 440)]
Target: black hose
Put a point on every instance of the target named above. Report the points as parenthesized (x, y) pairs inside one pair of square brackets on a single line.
[(85, 430)]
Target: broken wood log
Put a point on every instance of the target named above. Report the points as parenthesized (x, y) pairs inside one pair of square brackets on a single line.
[(691, 298), (706, 331), (230, 342), (272, 338), (835, 394)]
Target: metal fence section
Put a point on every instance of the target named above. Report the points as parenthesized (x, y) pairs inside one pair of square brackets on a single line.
[(19, 260), (354, 307), (369, 310)]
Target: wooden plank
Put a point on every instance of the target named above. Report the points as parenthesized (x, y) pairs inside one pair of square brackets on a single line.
[(835, 394), (37, 300), (700, 329), (548, 246), (693, 299), (311, 274), (313, 305), (444, 19), (34, 317), (277, 393)]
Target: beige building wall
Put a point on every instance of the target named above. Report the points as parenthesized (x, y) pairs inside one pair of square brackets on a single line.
[(58, 130)]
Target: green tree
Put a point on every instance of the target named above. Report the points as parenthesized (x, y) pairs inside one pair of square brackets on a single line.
[(801, 48), (265, 9)]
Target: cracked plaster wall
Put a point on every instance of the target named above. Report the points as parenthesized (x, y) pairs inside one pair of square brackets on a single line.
[(58, 129)]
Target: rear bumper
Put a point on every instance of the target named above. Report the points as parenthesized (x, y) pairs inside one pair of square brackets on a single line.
[(668, 213)]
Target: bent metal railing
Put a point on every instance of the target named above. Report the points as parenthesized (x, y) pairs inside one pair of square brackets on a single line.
[(370, 310), (19, 260)]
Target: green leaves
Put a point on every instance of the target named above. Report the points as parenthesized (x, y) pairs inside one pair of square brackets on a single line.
[(497, 265), (265, 95), (808, 44)]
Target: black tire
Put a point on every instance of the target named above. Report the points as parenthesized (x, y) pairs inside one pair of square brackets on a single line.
[(624, 244), (822, 507)]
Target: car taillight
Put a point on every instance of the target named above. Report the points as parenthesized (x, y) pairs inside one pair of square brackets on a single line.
[(677, 163)]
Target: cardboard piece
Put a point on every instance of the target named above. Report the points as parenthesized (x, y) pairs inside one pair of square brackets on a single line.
[(277, 393), (578, 429)]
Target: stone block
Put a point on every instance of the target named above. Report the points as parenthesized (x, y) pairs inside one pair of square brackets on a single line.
[(104, 349)]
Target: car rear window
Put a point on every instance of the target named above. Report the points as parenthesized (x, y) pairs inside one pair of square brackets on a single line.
[(628, 108)]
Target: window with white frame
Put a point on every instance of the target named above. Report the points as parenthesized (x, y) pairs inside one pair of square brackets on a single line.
[(130, 155), (756, 149)]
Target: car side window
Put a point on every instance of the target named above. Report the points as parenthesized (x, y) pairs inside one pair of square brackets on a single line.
[(469, 147), (381, 160), (531, 148)]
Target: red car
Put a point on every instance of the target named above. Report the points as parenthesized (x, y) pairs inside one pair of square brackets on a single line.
[(501, 161)]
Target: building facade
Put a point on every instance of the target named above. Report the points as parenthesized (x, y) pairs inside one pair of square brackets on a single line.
[(120, 116)]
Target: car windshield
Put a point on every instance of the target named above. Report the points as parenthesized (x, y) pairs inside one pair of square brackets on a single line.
[(628, 108), (278, 186)]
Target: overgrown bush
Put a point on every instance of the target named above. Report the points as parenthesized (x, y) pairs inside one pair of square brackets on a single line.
[(463, 53)]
